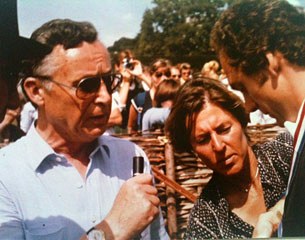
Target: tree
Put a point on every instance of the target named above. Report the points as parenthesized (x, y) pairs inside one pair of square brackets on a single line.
[(123, 43), (178, 30)]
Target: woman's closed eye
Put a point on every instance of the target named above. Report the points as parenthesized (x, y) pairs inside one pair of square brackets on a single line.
[(223, 129), (203, 139)]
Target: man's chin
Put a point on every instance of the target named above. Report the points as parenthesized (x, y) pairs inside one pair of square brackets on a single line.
[(96, 132)]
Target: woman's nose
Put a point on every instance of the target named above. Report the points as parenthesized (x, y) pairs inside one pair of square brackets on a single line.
[(217, 143)]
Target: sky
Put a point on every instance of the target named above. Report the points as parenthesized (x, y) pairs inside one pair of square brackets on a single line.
[(113, 19)]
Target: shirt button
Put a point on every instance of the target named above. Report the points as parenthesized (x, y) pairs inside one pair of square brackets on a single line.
[(79, 185), (58, 159), (93, 219)]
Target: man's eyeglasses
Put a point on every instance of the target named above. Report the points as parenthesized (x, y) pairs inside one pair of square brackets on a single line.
[(88, 87), (160, 74)]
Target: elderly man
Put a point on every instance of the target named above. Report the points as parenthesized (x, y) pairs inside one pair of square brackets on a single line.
[(261, 45), (64, 179), (12, 50)]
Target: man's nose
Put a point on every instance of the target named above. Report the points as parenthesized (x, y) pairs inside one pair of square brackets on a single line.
[(250, 104), (102, 95)]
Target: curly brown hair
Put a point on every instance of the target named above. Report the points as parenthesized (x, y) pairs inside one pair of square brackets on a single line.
[(248, 30), (190, 100)]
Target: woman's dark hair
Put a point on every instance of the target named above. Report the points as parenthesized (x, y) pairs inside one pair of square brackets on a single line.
[(166, 90), (191, 99)]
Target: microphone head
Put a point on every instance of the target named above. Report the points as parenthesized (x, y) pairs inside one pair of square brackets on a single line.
[(138, 165)]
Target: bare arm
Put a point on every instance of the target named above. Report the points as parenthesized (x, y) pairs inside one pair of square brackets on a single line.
[(132, 119), (9, 117), (139, 73)]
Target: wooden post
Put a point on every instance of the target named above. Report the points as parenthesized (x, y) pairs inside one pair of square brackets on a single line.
[(170, 192)]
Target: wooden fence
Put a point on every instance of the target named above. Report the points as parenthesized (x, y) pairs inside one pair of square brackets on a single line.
[(180, 178)]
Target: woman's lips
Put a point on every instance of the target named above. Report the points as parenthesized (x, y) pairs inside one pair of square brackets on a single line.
[(227, 160)]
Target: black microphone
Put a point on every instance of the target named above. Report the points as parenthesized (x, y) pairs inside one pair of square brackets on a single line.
[(138, 168), (138, 165)]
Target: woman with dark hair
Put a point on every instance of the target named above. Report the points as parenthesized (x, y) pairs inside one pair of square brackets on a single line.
[(159, 71), (155, 117), (211, 121)]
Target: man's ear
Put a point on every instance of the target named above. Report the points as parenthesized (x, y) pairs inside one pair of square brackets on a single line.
[(34, 90), (274, 63)]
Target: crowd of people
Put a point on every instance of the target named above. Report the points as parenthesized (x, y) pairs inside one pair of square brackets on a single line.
[(63, 98)]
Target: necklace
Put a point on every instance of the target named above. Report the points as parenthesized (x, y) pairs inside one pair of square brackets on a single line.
[(238, 187)]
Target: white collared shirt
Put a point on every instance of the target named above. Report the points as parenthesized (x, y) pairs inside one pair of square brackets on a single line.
[(42, 196), (291, 127)]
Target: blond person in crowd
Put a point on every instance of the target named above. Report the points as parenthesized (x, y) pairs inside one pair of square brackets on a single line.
[(210, 69), (175, 73), (185, 72)]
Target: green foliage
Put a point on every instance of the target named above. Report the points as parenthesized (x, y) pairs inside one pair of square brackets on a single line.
[(178, 30)]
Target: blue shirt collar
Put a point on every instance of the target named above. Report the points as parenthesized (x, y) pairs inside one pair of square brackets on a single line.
[(44, 150)]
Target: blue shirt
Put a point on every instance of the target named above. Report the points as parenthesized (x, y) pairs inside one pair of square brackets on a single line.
[(42, 196), (154, 116)]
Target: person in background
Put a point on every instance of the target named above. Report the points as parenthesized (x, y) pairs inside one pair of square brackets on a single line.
[(13, 49), (28, 116), (264, 58), (210, 69), (159, 71), (155, 117), (185, 72), (64, 179), (135, 80), (115, 118), (175, 73), (9, 129), (211, 121)]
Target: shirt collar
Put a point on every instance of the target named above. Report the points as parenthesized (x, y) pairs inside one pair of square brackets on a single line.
[(102, 144), (291, 126), (44, 150)]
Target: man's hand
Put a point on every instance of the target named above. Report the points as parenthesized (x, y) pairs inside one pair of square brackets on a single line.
[(268, 222), (134, 208)]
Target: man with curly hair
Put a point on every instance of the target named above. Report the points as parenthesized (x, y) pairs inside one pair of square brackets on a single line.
[(261, 46)]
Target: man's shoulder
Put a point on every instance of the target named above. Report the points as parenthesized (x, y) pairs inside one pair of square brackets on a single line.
[(111, 140), (117, 143), (12, 150), (12, 159), (120, 145)]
